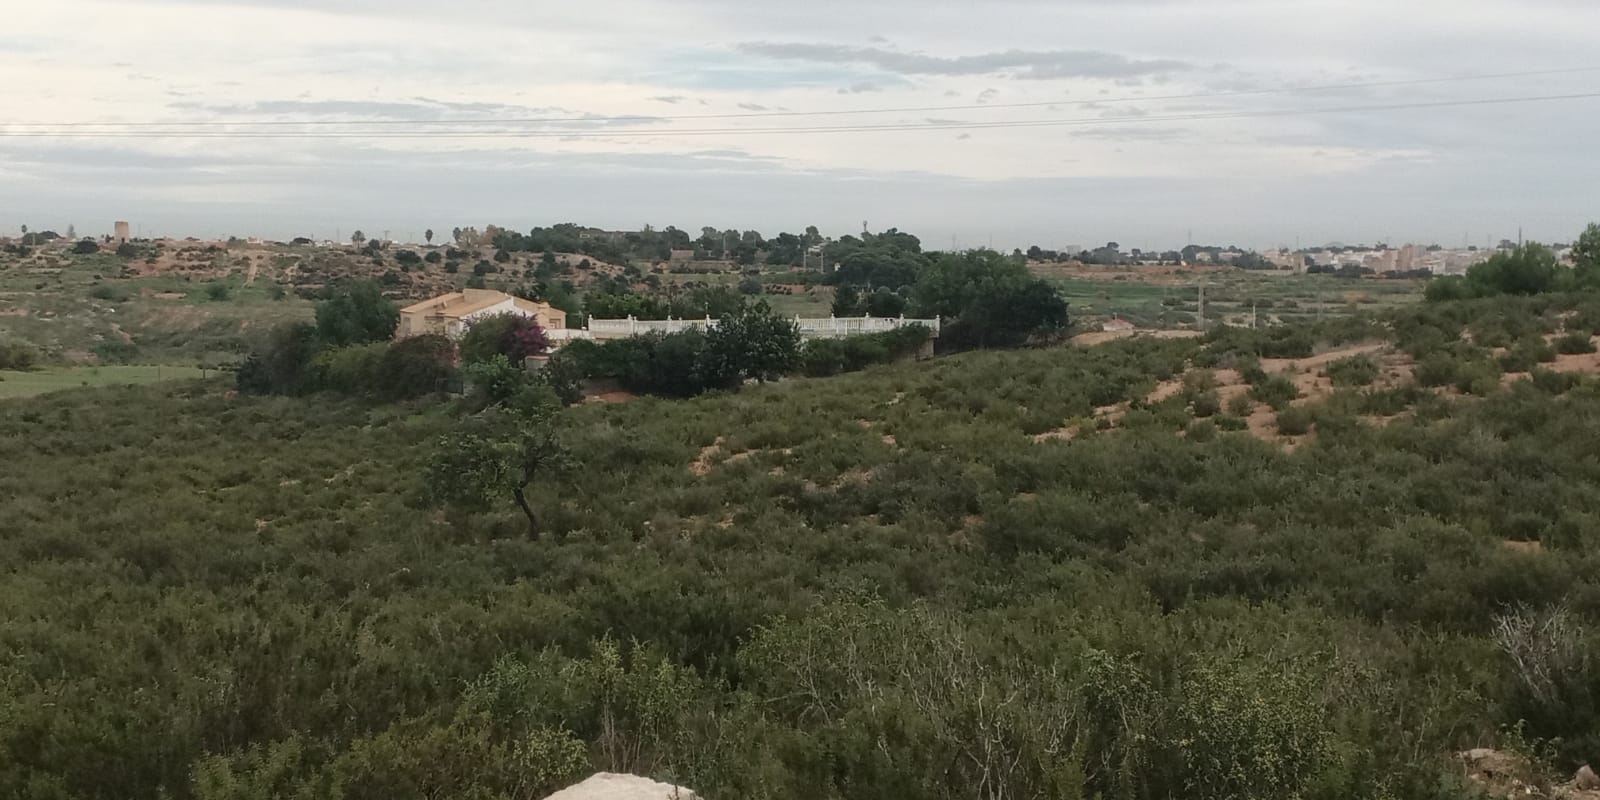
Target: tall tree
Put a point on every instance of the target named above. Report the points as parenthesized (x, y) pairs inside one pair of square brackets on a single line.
[(356, 313), (846, 301), (494, 457), (753, 343), (511, 335), (995, 301), (1586, 252), (357, 238), (428, 234)]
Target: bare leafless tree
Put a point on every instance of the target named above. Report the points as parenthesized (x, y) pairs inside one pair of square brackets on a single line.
[(1546, 647)]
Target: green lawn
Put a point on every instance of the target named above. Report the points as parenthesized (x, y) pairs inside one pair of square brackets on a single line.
[(54, 379)]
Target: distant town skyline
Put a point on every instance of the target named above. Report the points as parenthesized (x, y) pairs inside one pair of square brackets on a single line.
[(956, 241), (1031, 122)]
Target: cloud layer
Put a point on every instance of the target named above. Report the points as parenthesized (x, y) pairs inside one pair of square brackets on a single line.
[(1045, 65), (1051, 122)]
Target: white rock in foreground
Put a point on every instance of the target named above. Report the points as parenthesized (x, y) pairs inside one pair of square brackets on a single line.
[(611, 786)]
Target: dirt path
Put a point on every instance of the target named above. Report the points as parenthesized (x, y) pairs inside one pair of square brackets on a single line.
[(1320, 360), (1093, 338), (250, 277)]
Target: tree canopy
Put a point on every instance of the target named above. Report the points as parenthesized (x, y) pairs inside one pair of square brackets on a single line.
[(493, 457), (752, 344), (992, 299), (355, 313), (514, 336)]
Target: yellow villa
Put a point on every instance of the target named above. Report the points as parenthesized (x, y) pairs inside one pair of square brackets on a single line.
[(450, 314)]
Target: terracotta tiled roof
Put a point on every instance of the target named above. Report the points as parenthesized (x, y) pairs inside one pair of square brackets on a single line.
[(456, 304), (468, 306), (435, 302)]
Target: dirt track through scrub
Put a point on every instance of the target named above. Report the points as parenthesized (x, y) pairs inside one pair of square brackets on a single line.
[(1308, 374)]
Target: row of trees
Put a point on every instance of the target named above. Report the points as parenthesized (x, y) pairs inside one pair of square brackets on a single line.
[(651, 244), (348, 349), (751, 343), (989, 299), (1526, 270)]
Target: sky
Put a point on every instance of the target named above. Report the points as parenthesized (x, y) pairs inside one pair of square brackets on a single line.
[(1006, 122)]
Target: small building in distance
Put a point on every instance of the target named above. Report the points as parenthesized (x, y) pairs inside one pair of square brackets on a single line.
[(450, 314), (120, 232)]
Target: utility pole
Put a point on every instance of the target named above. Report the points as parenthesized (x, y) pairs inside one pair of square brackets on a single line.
[(1202, 306)]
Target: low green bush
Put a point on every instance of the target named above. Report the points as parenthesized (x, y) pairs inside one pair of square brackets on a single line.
[(111, 293), (1241, 405), (1477, 377), (116, 351), (1389, 402), (1585, 319), (1552, 382), (17, 355), (1231, 423), (1575, 344), (1526, 353), (1276, 391), (1437, 369), (1294, 421), (1353, 371)]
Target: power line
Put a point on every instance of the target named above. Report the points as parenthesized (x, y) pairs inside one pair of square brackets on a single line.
[(901, 127), (833, 112)]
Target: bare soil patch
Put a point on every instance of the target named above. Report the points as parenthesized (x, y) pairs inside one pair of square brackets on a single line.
[(1320, 360), (610, 397), (1057, 435), (1583, 362), (1094, 338), (703, 463)]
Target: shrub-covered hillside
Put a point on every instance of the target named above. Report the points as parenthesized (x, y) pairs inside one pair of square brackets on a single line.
[(1065, 572)]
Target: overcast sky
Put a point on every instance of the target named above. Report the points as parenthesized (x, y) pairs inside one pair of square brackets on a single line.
[(1109, 75)]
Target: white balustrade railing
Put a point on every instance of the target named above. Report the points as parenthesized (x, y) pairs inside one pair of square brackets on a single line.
[(824, 327)]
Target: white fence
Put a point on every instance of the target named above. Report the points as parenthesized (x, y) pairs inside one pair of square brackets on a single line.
[(818, 328)]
